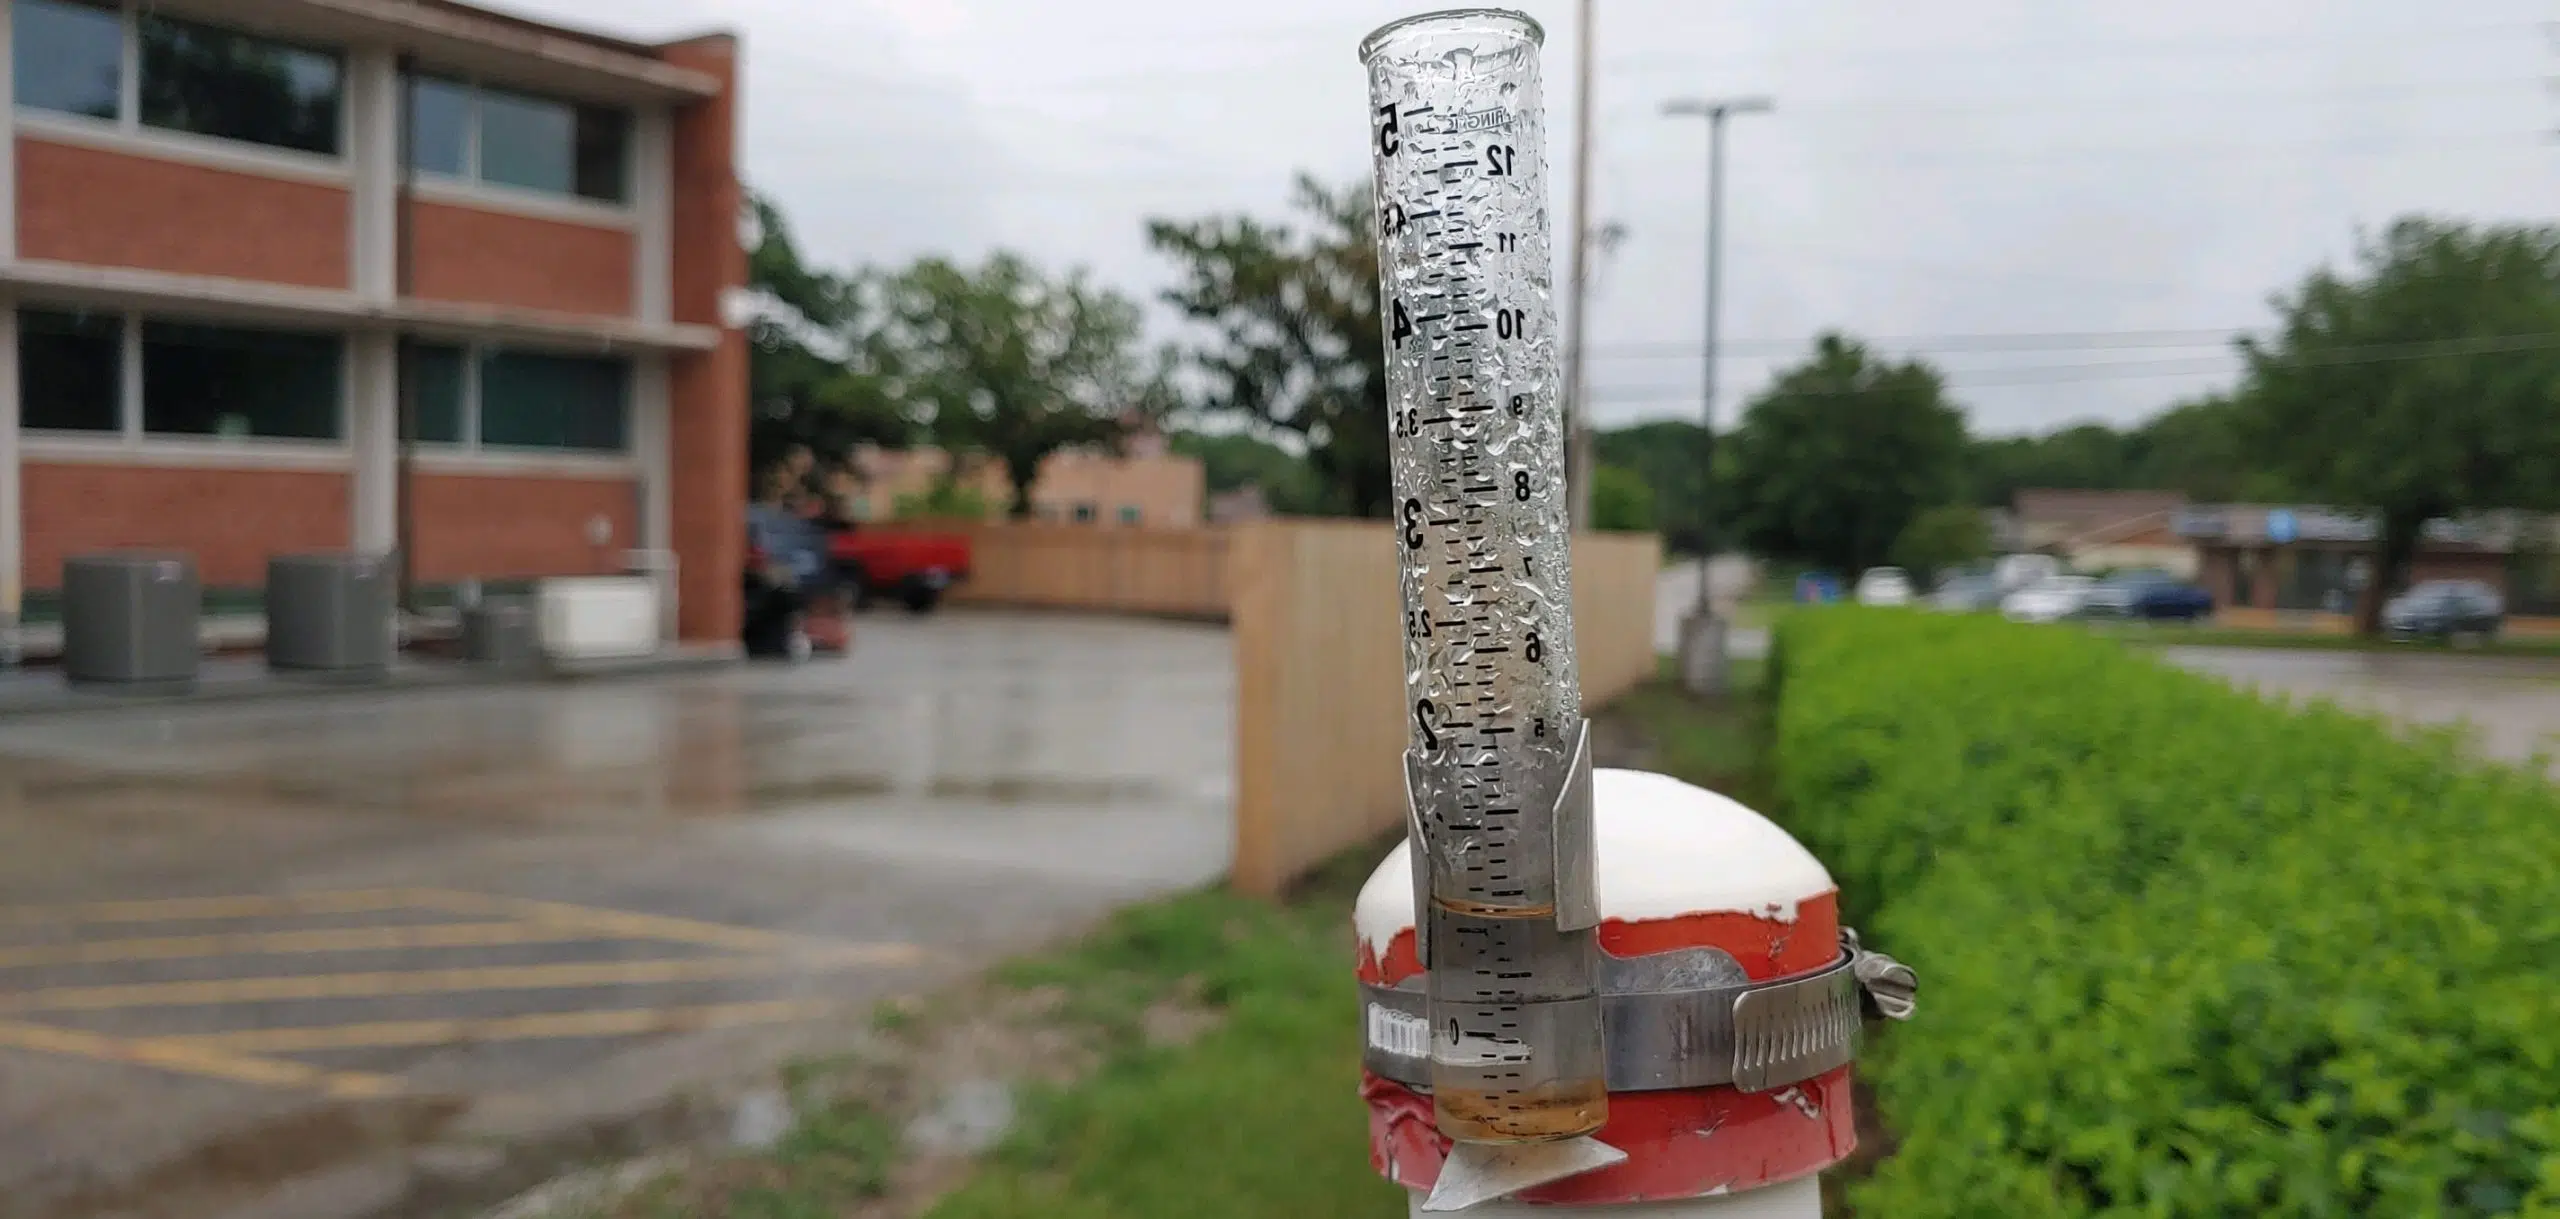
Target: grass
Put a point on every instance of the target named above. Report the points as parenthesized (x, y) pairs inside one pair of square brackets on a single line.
[(1719, 745), (1259, 1117)]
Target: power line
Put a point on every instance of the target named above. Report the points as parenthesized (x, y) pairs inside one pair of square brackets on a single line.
[(2083, 340), (2057, 374), (2064, 53)]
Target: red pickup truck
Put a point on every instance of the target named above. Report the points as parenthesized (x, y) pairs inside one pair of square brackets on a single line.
[(914, 565)]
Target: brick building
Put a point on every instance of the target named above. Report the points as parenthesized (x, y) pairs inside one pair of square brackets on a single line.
[(2279, 557), (225, 281)]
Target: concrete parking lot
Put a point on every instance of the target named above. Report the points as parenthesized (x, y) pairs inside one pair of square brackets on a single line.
[(2512, 704), (303, 945)]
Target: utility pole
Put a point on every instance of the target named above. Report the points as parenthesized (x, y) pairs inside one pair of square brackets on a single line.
[(1578, 459), (1702, 634)]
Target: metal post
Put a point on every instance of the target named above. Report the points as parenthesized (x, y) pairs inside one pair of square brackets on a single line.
[(1578, 456), (1702, 634)]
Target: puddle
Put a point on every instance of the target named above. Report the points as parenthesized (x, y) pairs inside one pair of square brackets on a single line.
[(1043, 790)]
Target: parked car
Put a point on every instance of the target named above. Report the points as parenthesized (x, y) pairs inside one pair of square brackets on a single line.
[(2148, 594), (1884, 586), (916, 566), (1966, 594), (2017, 571), (1817, 588), (2452, 610), (2048, 600), (2173, 600)]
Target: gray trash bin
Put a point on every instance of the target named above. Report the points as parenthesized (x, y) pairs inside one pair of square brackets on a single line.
[(500, 631), (129, 620), (330, 614)]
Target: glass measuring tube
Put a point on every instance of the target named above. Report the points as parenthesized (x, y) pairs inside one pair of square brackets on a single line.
[(1457, 127)]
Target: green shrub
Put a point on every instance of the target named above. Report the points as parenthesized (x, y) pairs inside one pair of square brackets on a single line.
[(2183, 952)]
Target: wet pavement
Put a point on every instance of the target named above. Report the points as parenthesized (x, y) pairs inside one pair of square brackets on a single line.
[(1675, 594), (2512, 704), (300, 941)]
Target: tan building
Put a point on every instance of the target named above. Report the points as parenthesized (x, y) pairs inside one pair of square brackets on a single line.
[(1146, 484), (2106, 530)]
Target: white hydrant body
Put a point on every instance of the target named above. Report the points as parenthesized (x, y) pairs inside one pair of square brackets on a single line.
[(1692, 886)]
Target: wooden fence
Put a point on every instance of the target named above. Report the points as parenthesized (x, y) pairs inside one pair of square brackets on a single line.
[(1112, 569), (1320, 723)]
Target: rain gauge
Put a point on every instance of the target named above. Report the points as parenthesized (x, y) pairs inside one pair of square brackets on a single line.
[(1498, 765)]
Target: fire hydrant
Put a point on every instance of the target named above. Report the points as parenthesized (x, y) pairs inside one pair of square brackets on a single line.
[(1732, 999)]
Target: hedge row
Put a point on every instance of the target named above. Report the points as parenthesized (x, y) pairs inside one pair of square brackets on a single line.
[(2183, 952)]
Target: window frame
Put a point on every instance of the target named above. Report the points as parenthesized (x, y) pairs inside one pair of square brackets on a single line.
[(472, 185), (472, 449), (130, 442), (127, 129)]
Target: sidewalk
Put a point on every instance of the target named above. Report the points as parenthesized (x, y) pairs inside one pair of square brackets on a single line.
[(236, 678)]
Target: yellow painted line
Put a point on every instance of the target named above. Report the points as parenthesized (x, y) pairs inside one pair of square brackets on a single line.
[(205, 1061), (181, 909), (257, 943), (437, 981), (553, 1025), (624, 923)]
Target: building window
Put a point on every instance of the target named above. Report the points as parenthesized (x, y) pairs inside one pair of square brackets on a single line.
[(70, 371), (231, 381), (1084, 514), (440, 126), (1129, 514), (218, 82), (533, 400), (517, 140), (68, 57), (437, 393)]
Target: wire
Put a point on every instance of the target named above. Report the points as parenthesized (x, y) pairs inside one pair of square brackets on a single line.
[(2049, 53), (2084, 340), (2056, 374)]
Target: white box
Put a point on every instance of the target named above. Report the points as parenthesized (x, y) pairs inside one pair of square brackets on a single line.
[(597, 617)]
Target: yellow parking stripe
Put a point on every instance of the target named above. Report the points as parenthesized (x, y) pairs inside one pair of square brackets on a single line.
[(211, 1063), (181, 909), (257, 943), (624, 923), (435, 981), (393, 1033)]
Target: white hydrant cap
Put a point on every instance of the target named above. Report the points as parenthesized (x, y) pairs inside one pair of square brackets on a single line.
[(1664, 850)]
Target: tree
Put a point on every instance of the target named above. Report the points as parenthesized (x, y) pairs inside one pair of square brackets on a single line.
[(1007, 361), (815, 372), (2421, 384), (1621, 501), (1298, 342), (2088, 456), (1835, 458), (1942, 538), (1236, 459), (1665, 455)]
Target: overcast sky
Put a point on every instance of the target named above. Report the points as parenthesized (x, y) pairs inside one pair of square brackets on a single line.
[(2133, 177)]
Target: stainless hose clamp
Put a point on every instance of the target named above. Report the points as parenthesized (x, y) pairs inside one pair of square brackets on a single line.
[(1708, 1027)]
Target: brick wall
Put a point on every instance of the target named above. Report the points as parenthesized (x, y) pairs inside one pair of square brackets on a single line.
[(708, 392), (511, 527), (485, 257), (85, 205), (231, 520)]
